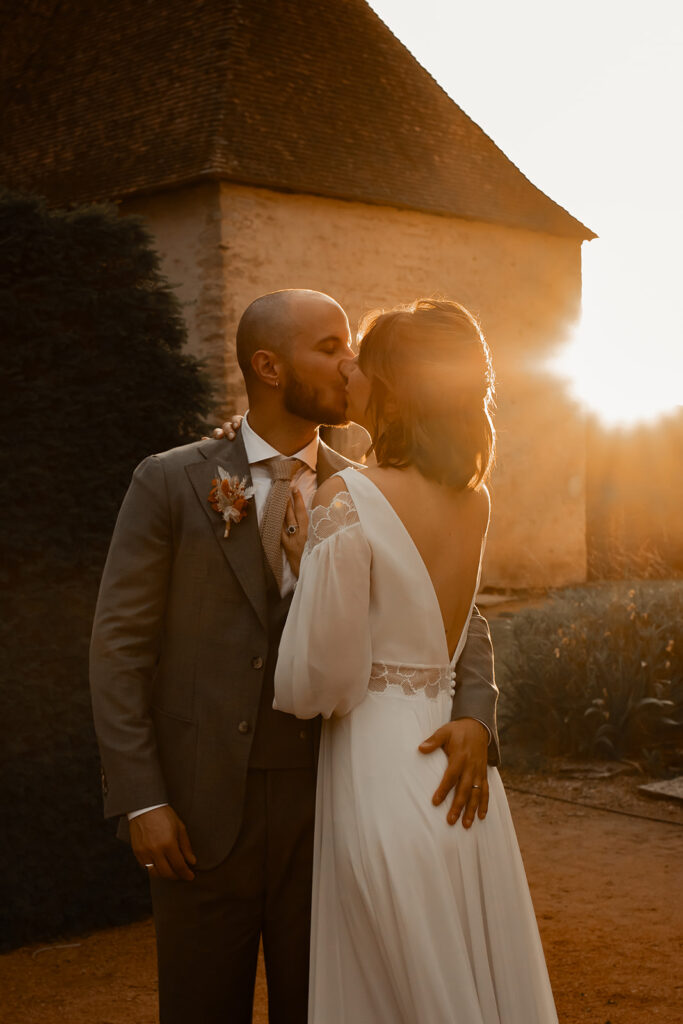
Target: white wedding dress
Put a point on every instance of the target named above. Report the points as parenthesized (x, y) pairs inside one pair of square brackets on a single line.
[(414, 921)]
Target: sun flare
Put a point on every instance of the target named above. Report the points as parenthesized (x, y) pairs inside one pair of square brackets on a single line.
[(623, 362), (621, 393)]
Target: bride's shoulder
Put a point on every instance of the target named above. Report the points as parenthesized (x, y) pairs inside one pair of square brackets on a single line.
[(483, 497), (328, 490), (481, 501), (333, 511), (379, 473)]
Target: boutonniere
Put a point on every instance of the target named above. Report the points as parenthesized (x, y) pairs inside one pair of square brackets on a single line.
[(229, 496)]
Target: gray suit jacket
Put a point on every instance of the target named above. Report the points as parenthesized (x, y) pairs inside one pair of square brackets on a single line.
[(179, 646)]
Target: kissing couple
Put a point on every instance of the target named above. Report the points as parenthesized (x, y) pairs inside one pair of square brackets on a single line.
[(293, 691)]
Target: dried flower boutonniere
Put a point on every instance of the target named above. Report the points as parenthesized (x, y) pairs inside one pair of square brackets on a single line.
[(230, 496)]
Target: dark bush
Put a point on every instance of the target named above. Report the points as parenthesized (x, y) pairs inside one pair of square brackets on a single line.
[(95, 379)]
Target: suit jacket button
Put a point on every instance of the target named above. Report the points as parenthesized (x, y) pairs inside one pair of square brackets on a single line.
[(257, 661), (243, 727)]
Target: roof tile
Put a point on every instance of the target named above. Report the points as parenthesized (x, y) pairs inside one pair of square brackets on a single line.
[(105, 100)]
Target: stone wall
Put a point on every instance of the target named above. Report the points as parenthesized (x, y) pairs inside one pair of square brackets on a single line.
[(524, 286), (186, 224), (227, 244), (634, 496)]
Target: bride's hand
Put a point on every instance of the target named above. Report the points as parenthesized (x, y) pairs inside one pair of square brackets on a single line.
[(228, 430), (295, 530), (465, 743)]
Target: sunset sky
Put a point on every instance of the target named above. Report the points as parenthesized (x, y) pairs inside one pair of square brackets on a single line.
[(585, 98)]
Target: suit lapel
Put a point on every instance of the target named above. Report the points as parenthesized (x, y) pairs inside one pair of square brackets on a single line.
[(242, 548), (330, 462)]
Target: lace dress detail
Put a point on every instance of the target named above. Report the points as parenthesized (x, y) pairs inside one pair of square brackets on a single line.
[(412, 680), (340, 514)]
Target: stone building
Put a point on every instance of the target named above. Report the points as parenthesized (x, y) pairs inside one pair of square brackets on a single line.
[(297, 143)]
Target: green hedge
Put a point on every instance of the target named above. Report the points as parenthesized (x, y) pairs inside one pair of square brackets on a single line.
[(96, 379)]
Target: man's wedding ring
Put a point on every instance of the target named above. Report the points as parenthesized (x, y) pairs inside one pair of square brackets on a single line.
[(149, 865), (292, 529)]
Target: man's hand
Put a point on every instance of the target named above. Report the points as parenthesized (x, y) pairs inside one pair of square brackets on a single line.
[(465, 743), (228, 430), (159, 837)]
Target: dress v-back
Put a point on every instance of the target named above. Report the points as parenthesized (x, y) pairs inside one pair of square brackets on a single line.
[(414, 921), (400, 537)]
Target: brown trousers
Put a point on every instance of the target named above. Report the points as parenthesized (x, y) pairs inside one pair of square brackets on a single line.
[(208, 930)]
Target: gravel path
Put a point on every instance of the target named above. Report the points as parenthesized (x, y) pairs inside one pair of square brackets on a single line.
[(606, 887)]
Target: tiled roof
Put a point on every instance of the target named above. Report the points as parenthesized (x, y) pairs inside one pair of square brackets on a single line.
[(112, 98)]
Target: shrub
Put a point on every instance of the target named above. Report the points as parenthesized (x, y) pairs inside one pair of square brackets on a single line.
[(92, 342), (598, 671), (96, 379), (63, 869)]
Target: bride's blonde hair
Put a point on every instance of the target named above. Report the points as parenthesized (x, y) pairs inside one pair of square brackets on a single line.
[(432, 391)]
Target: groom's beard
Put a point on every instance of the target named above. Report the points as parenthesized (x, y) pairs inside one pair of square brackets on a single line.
[(310, 403)]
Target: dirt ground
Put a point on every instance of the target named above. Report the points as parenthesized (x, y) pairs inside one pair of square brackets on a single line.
[(607, 890)]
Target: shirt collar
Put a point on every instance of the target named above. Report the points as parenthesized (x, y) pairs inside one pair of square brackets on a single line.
[(259, 450)]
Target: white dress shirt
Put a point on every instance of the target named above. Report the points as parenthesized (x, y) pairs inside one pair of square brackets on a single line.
[(258, 453)]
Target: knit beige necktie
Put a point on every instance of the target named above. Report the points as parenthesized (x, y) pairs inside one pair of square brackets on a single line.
[(282, 470)]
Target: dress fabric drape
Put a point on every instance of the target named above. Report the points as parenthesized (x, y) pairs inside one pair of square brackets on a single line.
[(414, 921)]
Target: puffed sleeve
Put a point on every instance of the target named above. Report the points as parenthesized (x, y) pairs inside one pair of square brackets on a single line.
[(325, 654)]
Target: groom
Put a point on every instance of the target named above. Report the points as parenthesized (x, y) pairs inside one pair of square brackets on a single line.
[(213, 787)]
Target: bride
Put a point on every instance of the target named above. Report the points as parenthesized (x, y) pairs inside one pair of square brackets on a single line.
[(414, 922)]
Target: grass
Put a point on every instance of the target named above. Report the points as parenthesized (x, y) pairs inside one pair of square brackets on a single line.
[(597, 671)]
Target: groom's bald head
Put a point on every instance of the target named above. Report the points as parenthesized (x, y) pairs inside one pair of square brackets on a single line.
[(265, 324), (272, 322)]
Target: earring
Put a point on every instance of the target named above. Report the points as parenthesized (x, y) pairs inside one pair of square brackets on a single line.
[(277, 383)]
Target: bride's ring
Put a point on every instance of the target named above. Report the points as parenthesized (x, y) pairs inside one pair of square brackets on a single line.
[(292, 529), (149, 865), (475, 787)]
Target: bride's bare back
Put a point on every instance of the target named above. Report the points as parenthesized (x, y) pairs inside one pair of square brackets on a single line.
[(448, 529)]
